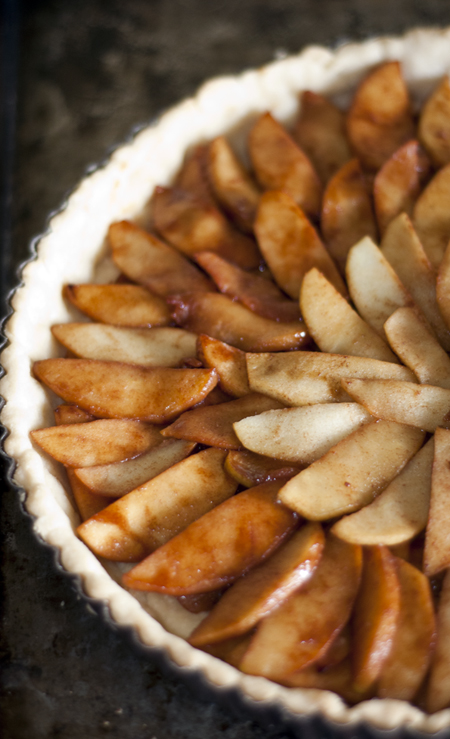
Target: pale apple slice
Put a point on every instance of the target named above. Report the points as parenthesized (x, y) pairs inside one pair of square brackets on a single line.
[(302, 628), (147, 347), (340, 482), (88, 503), (219, 547), (254, 291), (264, 588), (71, 414), (438, 689), (443, 289), (423, 406), (96, 442), (251, 469), (290, 244), (405, 253), (220, 317), (431, 216), (376, 616), (193, 225), (145, 519), (347, 212), (373, 285), (120, 305), (407, 664), (151, 263), (436, 555), (120, 478), (306, 378), (380, 118), (399, 182), (116, 390), (434, 124), (279, 164), (334, 325), (232, 185), (193, 175), (229, 363), (411, 340), (320, 132), (300, 435)]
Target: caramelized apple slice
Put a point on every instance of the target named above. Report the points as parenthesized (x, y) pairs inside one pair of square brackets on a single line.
[(251, 469), (380, 118), (200, 602), (280, 164), (223, 319), (115, 390), (431, 216), (264, 588), (230, 650), (71, 414), (153, 513), (88, 503), (338, 678), (434, 124), (347, 213), (193, 175), (120, 305), (438, 689), (229, 363), (302, 628), (219, 547), (436, 555), (339, 482)]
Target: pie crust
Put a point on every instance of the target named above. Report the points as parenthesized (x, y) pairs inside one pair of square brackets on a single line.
[(74, 250)]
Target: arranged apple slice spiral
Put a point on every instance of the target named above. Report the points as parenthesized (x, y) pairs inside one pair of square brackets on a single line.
[(256, 415)]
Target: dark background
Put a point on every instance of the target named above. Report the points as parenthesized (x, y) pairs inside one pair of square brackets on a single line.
[(88, 71)]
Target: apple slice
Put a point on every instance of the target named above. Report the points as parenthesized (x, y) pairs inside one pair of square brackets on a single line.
[(280, 164), (120, 478), (300, 435), (88, 503), (193, 225), (443, 288), (376, 616), (200, 602), (302, 628), (339, 482), (223, 319), (233, 187), (71, 414), (116, 390), (306, 378), (407, 664), (254, 291), (338, 678), (437, 537), (347, 212), (229, 363), (438, 689), (264, 588), (399, 182), (380, 118), (96, 442), (213, 425), (434, 124), (334, 325), (120, 305), (290, 244), (219, 547), (423, 406), (251, 469), (431, 216), (193, 175), (320, 132), (147, 347), (140, 522), (230, 650), (400, 512)]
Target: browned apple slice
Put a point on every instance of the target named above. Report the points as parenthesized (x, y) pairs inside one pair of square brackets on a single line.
[(153, 513), (193, 225), (436, 555), (305, 378), (338, 678), (280, 164), (219, 547), (251, 469), (380, 118), (290, 244), (438, 689), (434, 124), (116, 390), (320, 132), (254, 291), (264, 588), (88, 503), (220, 317), (431, 216), (228, 361), (148, 347), (407, 664), (302, 628), (213, 425), (148, 261), (339, 482), (120, 478), (233, 186), (334, 325), (399, 183), (193, 175), (443, 289), (347, 212), (71, 414), (200, 602), (120, 305), (230, 650), (376, 616), (96, 442)]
